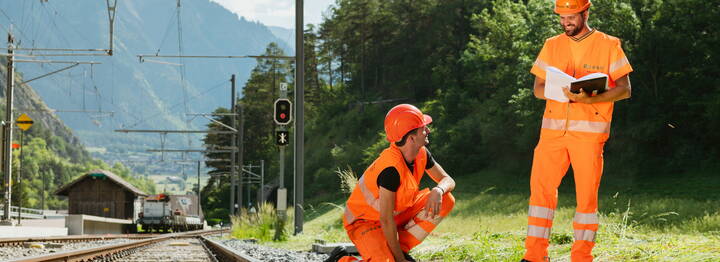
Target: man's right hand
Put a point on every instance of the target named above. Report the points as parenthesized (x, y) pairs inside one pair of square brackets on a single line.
[(434, 202), (581, 97)]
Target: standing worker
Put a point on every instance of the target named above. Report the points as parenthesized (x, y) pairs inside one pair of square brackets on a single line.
[(386, 214), (573, 132)]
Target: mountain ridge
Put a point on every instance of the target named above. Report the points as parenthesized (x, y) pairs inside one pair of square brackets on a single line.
[(144, 95)]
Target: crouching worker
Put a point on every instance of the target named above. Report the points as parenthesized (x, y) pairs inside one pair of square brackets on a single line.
[(387, 214)]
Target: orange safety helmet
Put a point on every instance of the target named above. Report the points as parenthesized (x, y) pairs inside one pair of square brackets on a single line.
[(401, 119), (567, 7)]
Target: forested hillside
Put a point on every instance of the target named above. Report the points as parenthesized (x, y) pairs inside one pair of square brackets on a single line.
[(51, 154), (466, 63)]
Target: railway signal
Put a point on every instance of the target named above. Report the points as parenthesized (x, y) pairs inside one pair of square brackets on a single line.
[(283, 111), (281, 138)]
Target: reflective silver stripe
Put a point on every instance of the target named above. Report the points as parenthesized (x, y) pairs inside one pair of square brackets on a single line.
[(618, 64), (586, 218), (576, 125), (369, 197), (587, 235), (555, 124), (589, 126), (541, 64), (541, 212), (418, 232), (423, 215), (536, 231), (410, 224), (349, 217)]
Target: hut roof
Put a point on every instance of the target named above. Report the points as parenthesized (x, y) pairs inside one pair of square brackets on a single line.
[(64, 190)]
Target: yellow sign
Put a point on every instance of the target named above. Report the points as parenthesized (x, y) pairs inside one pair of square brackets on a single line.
[(106, 209), (24, 122)]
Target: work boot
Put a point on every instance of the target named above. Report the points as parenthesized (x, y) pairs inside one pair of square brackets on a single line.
[(408, 257), (525, 260), (337, 254)]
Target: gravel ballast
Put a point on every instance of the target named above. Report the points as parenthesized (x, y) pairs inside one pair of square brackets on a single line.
[(270, 254)]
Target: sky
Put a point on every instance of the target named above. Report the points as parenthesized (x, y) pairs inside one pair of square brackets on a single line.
[(277, 12)]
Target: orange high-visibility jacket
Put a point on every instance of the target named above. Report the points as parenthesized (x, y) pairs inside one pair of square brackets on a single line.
[(596, 52), (364, 202)]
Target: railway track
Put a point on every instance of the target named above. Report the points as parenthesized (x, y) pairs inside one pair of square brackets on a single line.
[(192, 249), (116, 252), (8, 242), (183, 249)]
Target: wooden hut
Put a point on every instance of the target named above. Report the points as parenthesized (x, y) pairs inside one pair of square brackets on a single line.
[(104, 194)]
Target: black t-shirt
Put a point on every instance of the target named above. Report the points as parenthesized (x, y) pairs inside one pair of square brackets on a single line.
[(389, 178)]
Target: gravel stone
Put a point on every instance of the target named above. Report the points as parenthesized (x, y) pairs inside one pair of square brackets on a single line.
[(260, 252), (270, 254)]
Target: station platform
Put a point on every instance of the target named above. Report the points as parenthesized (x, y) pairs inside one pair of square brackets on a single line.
[(66, 225), (90, 225), (32, 231)]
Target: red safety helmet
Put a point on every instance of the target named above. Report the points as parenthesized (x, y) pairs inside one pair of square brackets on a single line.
[(403, 118), (567, 7)]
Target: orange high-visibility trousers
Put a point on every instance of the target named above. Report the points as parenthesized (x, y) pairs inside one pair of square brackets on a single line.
[(348, 259), (551, 160), (413, 227)]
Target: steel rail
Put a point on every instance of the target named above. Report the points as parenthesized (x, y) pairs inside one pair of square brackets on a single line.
[(103, 252), (109, 252), (60, 239), (207, 249), (225, 253)]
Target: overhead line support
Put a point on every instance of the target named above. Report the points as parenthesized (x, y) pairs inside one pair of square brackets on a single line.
[(173, 131), (56, 62), (192, 150), (53, 72), (10, 85), (142, 56)]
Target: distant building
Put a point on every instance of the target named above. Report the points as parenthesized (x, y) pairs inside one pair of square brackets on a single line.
[(104, 194)]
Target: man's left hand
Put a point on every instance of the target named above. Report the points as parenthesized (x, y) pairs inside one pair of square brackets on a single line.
[(434, 202), (581, 97)]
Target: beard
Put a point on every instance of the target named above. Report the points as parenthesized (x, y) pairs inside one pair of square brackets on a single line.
[(573, 32), (576, 29)]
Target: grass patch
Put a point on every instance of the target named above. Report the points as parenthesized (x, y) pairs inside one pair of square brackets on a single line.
[(262, 225), (645, 221)]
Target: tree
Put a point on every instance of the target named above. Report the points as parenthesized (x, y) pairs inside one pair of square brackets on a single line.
[(258, 95)]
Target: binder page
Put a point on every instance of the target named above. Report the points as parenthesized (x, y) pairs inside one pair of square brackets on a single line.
[(555, 80)]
